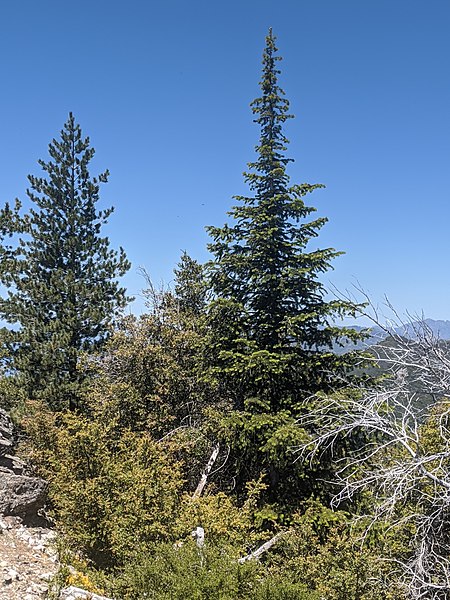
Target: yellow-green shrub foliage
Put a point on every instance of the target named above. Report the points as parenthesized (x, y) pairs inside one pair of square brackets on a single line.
[(318, 558), (150, 379), (226, 524), (150, 373), (112, 491), (324, 550), (122, 501)]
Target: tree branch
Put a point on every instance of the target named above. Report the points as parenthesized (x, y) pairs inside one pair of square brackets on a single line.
[(204, 478), (262, 549)]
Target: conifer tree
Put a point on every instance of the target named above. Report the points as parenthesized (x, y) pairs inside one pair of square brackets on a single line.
[(191, 289), (273, 328), (262, 264), (60, 274)]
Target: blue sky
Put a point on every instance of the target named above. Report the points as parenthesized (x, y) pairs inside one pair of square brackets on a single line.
[(163, 87)]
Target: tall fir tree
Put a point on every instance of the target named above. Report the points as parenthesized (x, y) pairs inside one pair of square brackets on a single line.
[(60, 275), (273, 328)]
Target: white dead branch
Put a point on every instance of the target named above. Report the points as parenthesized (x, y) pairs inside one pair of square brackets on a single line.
[(401, 466), (204, 478), (199, 535), (256, 554)]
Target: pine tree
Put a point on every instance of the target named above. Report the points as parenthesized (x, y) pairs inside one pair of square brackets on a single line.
[(273, 328), (61, 275), (191, 289)]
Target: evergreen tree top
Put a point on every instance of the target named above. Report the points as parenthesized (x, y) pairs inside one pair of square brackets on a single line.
[(272, 108), (262, 260)]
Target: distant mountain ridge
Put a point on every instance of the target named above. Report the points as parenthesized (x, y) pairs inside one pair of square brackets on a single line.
[(437, 327)]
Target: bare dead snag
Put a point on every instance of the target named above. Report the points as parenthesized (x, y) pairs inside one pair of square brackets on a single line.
[(204, 478), (405, 463)]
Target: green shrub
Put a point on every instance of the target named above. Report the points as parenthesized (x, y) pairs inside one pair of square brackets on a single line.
[(112, 492), (187, 573)]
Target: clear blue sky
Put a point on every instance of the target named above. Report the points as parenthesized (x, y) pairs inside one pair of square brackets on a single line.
[(163, 88)]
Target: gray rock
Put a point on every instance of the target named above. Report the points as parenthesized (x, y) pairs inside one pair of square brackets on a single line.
[(6, 433), (21, 496), (74, 593), (11, 576), (6, 425), (12, 464)]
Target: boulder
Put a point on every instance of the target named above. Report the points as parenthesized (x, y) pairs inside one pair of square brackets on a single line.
[(6, 433), (12, 464), (74, 593), (20, 495)]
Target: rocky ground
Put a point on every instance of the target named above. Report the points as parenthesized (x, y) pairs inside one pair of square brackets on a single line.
[(28, 560), (28, 556)]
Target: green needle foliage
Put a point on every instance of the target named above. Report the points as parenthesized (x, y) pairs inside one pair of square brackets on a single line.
[(264, 276), (60, 275), (273, 329), (191, 289)]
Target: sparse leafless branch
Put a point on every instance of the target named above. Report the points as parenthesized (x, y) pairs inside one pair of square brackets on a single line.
[(406, 465)]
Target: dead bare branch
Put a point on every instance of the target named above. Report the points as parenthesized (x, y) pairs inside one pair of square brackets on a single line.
[(256, 554), (204, 478), (400, 466)]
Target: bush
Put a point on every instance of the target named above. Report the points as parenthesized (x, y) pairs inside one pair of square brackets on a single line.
[(112, 492), (188, 573)]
